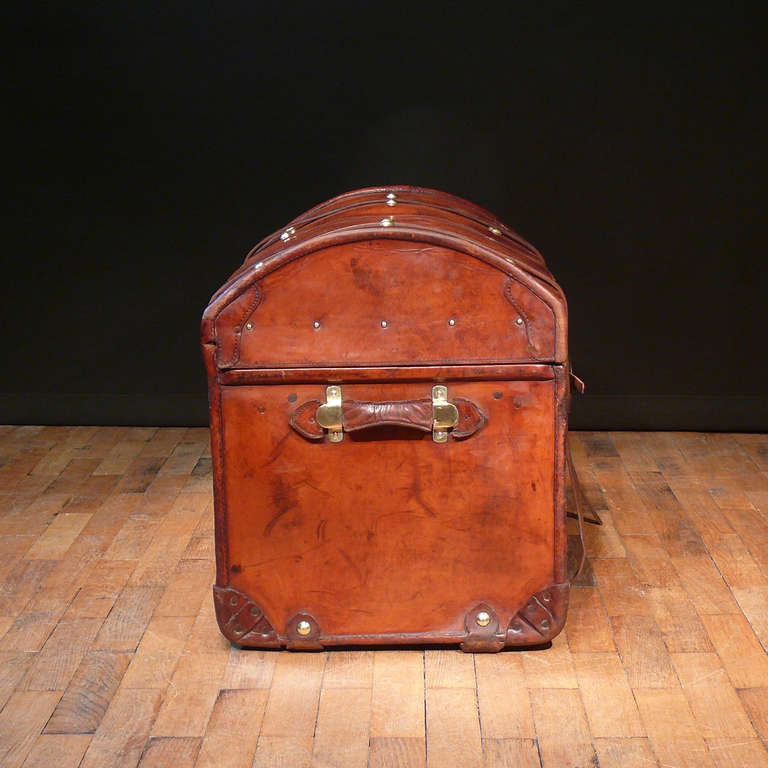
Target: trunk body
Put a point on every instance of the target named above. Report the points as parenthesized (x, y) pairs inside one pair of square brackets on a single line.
[(388, 385)]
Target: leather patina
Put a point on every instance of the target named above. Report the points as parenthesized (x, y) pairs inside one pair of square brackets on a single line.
[(388, 536)]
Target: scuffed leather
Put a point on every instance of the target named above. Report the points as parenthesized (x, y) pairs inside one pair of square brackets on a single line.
[(415, 414), (380, 539), (403, 413)]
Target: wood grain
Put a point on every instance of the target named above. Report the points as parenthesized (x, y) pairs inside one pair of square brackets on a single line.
[(122, 734), (398, 694), (236, 714), (453, 730), (396, 752), (61, 750), (712, 698), (89, 694), (561, 727), (21, 722), (607, 697), (168, 751), (503, 698), (110, 654), (671, 728)]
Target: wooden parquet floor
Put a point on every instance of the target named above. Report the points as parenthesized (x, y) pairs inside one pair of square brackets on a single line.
[(110, 654)]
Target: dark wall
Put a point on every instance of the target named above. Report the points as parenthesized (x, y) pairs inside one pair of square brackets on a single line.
[(149, 145)]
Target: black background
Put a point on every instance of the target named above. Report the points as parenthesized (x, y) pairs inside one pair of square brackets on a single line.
[(148, 146)]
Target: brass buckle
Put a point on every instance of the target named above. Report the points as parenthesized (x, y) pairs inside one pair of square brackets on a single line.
[(329, 414), (444, 414)]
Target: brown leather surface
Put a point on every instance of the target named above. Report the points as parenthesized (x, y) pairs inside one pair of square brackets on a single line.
[(417, 198), (414, 414), (364, 534), (389, 537), (416, 289)]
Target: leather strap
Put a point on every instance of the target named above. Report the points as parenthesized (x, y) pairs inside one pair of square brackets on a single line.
[(580, 502), (360, 414)]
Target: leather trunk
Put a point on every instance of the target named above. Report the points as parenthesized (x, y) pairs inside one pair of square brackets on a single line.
[(388, 385)]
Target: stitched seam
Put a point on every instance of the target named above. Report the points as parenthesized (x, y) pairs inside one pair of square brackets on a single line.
[(531, 346), (340, 364), (239, 327)]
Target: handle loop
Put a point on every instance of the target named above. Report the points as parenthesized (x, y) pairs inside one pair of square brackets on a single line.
[(458, 418)]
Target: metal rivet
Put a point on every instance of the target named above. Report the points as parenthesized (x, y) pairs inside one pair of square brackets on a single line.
[(255, 610), (288, 232), (233, 600), (258, 265), (546, 597), (495, 230), (519, 321), (316, 324), (531, 609), (384, 323), (451, 322), (483, 619), (248, 326), (391, 196), (392, 201), (303, 627), (516, 628), (387, 222), (545, 624)]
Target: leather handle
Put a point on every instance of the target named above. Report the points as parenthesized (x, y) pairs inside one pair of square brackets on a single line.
[(415, 414)]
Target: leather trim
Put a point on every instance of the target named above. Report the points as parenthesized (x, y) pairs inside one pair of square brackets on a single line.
[(295, 641), (482, 639), (258, 296), (241, 620), (531, 343), (541, 618), (549, 293)]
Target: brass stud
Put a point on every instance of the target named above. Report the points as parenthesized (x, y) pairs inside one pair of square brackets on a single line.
[(384, 324), (258, 265), (545, 624), (316, 324), (516, 628), (546, 597), (483, 619), (387, 222), (303, 628), (391, 202), (495, 231), (391, 196), (451, 322), (519, 321), (287, 234), (248, 326)]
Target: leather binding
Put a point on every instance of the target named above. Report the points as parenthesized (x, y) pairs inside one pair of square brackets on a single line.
[(387, 527)]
